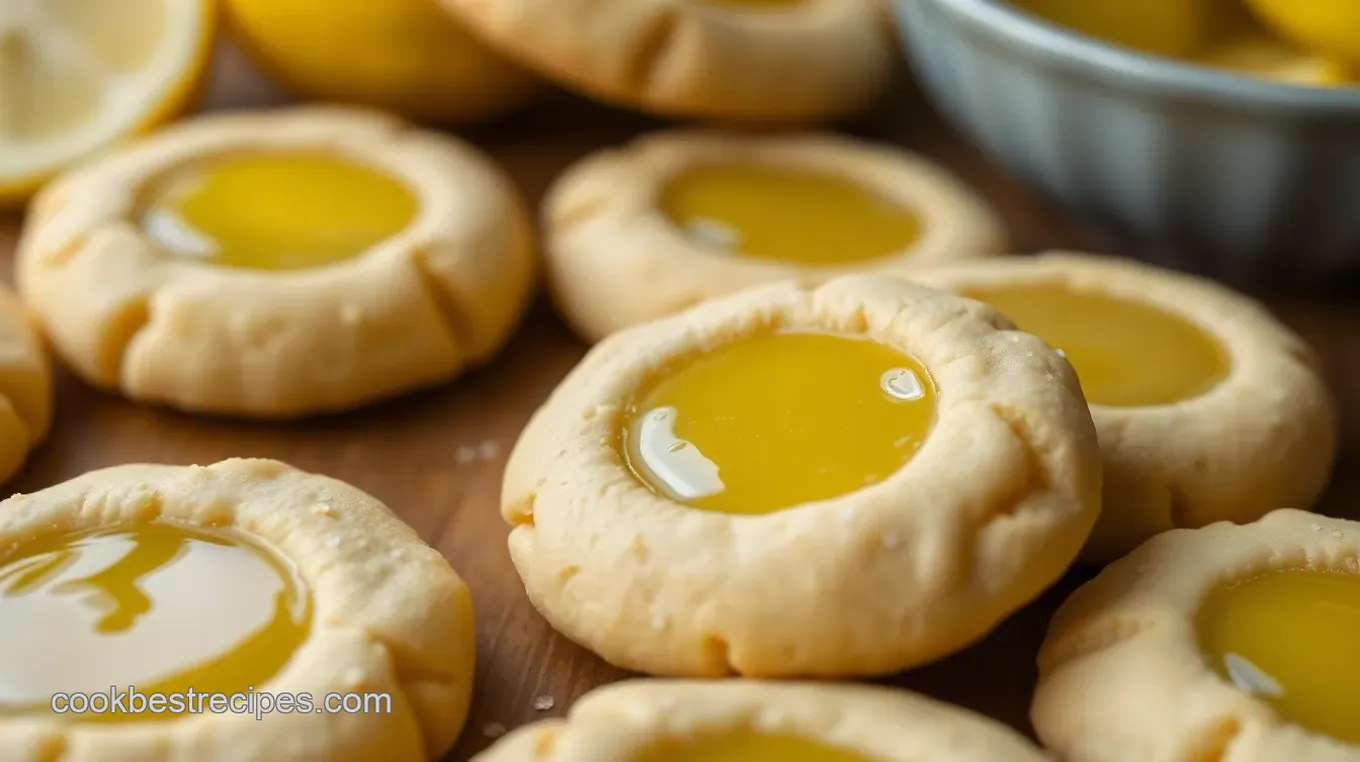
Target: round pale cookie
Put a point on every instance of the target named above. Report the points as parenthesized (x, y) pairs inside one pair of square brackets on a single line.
[(741, 60), (278, 264), (1208, 408), (25, 386), (1229, 642), (849, 479), (243, 577), (643, 231), (731, 720)]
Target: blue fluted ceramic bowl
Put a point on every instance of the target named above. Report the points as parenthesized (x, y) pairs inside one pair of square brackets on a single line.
[(1246, 180)]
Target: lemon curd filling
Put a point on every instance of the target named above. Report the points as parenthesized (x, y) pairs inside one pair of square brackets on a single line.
[(1300, 42), (1331, 27), (1251, 50), (276, 211), (778, 420), (1125, 353), (1160, 27), (159, 607), (1268, 59), (747, 746), (1290, 638), (767, 211)]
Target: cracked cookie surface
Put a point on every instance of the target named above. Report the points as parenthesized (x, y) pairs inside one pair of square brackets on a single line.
[(1208, 407), (639, 552), (644, 230), (686, 721), (800, 61), (385, 615), (1228, 642), (141, 301)]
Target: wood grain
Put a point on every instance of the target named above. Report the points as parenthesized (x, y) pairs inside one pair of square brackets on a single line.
[(436, 457)]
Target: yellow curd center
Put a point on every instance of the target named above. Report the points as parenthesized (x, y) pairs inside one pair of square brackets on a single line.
[(1291, 638), (276, 211), (774, 421), (747, 746), (786, 213), (161, 607), (1125, 353)]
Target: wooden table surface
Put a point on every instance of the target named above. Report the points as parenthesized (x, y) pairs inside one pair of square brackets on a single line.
[(436, 457)]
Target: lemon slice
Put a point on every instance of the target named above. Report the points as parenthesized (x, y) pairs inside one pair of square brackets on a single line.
[(76, 75)]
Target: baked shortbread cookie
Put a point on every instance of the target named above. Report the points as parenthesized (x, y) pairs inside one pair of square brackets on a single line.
[(1230, 642), (211, 591), (25, 386), (742, 60), (645, 230), (1208, 408), (850, 479), (758, 721), (278, 264)]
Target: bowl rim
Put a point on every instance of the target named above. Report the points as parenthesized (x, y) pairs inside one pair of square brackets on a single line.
[(1119, 65)]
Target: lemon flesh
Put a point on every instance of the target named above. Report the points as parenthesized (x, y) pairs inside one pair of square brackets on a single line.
[(78, 75)]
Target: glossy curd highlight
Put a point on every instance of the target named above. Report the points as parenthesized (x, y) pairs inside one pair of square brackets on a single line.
[(791, 214), (778, 420), (1292, 639), (1126, 354), (159, 607), (276, 211), (747, 746)]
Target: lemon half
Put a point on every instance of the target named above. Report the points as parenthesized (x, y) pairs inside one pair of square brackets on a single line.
[(77, 75), (405, 56)]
